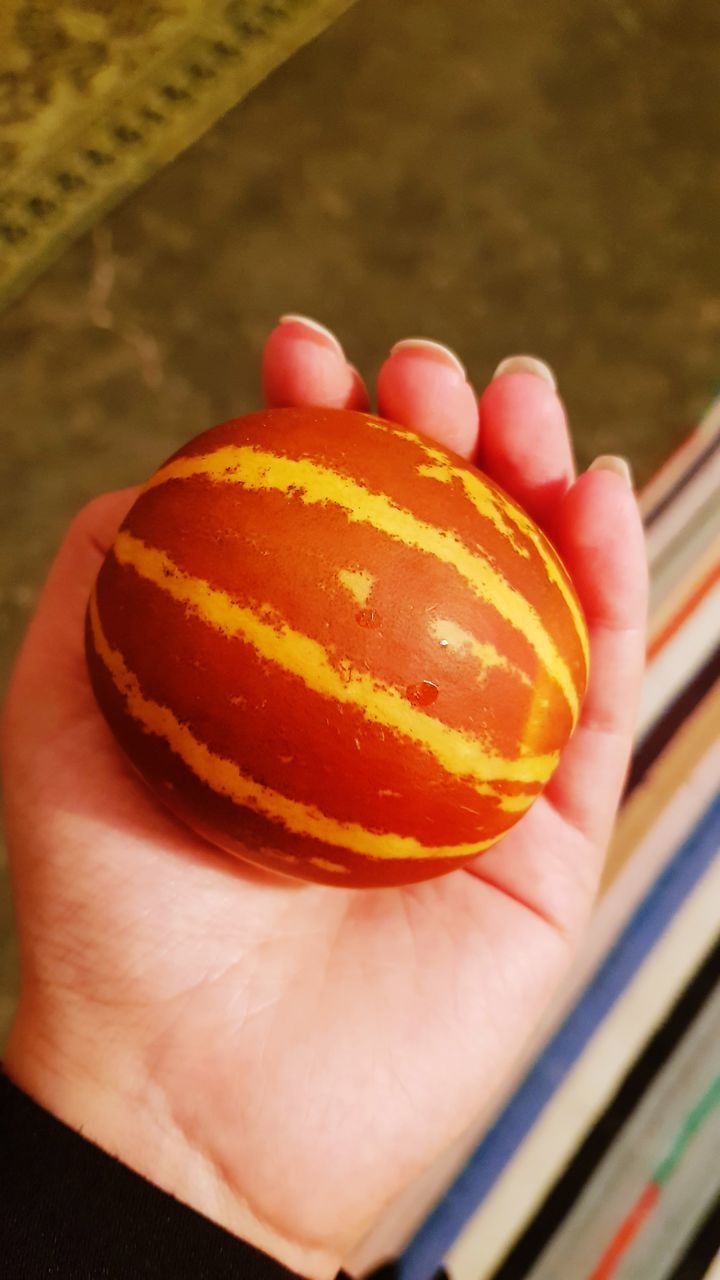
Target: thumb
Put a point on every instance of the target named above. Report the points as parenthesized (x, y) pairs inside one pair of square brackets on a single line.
[(52, 652)]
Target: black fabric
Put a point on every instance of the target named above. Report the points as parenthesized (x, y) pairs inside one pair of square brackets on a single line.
[(67, 1209)]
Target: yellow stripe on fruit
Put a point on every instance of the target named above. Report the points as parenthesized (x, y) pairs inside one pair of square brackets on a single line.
[(325, 865), (485, 501), (313, 483), (359, 582), (513, 804), (488, 505), (226, 779), (460, 754), (455, 637)]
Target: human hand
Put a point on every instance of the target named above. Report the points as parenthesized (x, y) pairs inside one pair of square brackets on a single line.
[(286, 1057)]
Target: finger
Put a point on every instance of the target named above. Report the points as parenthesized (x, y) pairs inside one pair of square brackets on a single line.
[(304, 364), (524, 440), (88, 539), (551, 861), (52, 730), (423, 385), (598, 532)]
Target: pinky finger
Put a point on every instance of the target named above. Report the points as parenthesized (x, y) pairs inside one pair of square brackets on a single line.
[(599, 535)]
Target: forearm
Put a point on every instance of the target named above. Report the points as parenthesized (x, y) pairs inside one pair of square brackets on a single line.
[(132, 1192)]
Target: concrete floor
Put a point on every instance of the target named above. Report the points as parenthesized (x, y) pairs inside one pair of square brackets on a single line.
[(501, 176)]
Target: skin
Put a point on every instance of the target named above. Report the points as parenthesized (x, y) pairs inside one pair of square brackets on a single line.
[(284, 1057)]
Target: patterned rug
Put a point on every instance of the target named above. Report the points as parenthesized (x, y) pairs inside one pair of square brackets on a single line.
[(95, 98), (604, 1160)]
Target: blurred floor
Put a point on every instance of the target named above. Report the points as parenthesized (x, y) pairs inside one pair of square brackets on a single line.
[(503, 177)]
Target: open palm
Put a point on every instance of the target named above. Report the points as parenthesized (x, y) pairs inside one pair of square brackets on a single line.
[(285, 1056)]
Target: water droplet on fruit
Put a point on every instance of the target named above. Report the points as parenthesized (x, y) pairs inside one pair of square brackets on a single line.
[(444, 644), (369, 618), (422, 693)]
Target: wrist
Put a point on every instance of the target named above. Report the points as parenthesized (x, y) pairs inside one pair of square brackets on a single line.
[(99, 1085)]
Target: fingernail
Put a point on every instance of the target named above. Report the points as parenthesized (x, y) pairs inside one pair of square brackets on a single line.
[(425, 346), (611, 462), (316, 328), (527, 364)]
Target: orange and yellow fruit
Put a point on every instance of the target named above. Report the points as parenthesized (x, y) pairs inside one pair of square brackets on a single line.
[(335, 649)]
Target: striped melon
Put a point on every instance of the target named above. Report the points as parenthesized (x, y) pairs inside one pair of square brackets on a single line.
[(335, 649)]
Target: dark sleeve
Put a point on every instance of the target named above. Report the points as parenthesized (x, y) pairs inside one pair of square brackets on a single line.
[(68, 1209)]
